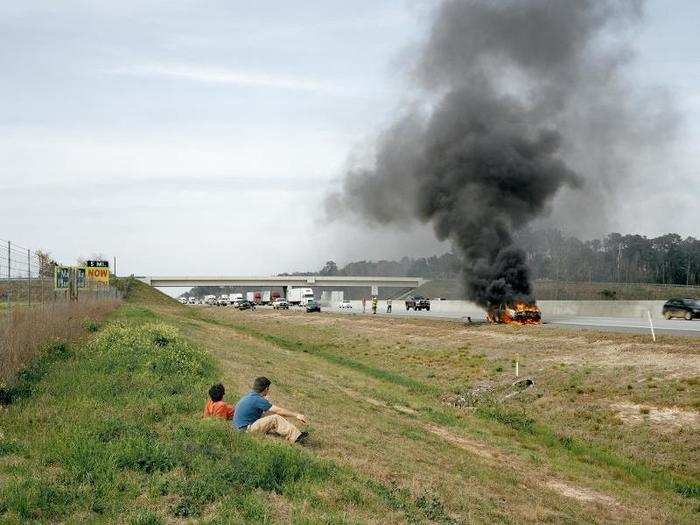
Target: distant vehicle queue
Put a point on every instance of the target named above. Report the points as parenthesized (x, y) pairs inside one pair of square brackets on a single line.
[(302, 297), (295, 297)]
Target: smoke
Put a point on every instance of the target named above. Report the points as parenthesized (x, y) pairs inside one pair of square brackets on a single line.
[(509, 93)]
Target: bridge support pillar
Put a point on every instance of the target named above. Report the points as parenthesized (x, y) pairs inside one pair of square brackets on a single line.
[(284, 291)]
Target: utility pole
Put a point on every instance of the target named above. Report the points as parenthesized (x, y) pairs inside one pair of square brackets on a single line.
[(29, 277), (115, 266), (9, 253)]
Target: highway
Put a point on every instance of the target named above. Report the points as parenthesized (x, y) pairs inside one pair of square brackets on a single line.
[(613, 324)]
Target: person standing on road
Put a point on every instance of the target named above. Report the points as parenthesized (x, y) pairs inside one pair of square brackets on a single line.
[(388, 306), (249, 414), (374, 304), (364, 305)]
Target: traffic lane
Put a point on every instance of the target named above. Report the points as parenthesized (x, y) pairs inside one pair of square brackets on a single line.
[(613, 324), (630, 324)]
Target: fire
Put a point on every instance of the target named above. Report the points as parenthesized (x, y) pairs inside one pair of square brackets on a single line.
[(518, 313)]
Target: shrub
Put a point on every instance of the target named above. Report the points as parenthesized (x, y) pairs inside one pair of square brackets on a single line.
[(608, 295), (90, 325)]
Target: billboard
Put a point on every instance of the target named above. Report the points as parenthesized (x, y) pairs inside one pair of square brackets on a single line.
[(80, 277), (61, 277), (97, 271)]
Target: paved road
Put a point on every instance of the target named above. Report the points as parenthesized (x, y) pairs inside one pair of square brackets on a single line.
[(614, 324), (626, 324)]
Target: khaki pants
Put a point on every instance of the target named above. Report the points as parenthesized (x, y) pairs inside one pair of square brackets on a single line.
[(275, 424)]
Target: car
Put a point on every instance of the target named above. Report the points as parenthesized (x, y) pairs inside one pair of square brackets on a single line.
[(313, 306), (345, 305), (246, 305), (687, 308), (418, 303), (280, 304)]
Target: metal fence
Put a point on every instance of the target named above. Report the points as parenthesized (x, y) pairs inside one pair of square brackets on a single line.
[(32, 312), (27, 279)]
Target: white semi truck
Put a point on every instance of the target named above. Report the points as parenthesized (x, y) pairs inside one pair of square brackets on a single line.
[(300, 296)]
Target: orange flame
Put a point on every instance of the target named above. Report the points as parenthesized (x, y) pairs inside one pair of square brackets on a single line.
[(519, 313)]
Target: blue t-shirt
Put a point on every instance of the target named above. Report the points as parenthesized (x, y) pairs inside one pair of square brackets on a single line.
[(249, 409)]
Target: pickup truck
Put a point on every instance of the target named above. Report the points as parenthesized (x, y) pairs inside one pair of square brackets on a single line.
[(418, 303)]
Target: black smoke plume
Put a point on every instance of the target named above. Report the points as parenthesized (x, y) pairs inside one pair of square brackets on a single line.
[(483, 154)]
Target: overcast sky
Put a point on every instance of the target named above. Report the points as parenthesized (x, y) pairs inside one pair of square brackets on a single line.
[(199, 137)]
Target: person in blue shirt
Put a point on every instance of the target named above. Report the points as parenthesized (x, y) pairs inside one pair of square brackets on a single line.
[(251, 407)]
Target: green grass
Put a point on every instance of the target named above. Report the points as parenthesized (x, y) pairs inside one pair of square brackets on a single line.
[(411, 384), (527, 427), (111, 431)]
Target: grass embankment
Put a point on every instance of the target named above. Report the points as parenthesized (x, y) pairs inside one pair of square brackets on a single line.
[(565, 448), (111, 431)]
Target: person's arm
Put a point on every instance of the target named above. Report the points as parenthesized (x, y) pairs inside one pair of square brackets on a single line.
[(287, 413)]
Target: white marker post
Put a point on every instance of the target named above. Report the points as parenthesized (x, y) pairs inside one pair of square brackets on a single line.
[(517, 363), (651, 325)]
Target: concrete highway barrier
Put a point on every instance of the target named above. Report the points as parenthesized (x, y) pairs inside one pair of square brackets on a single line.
[(627, 309)]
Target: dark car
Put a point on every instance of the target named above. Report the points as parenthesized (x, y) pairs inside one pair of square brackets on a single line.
[(686, 308), (246, 305), (313, 306), (418, 303)]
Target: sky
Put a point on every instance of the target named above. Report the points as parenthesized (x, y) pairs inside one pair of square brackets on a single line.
[(200, 137)]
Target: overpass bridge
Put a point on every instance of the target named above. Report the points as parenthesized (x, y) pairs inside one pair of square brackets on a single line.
[(285, 281)]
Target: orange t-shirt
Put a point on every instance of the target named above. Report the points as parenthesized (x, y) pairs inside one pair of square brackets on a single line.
[(218, 409)]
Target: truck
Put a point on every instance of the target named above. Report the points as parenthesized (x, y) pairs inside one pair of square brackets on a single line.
[(210, 299), (268, 296), (223, 300), (418, 303), (235, 298), (300, 296), (250, 296)]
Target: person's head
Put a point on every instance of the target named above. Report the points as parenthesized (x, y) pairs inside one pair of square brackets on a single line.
[(261, 384), (216, 392)]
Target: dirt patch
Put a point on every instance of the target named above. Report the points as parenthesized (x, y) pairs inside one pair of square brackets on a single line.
[(580, 493), (376, 402), (665, 419), (470, 445)]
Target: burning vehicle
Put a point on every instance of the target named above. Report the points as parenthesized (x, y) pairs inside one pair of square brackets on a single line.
[(518, 313)]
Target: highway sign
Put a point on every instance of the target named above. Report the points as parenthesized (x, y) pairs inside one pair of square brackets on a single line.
[(98, 271)]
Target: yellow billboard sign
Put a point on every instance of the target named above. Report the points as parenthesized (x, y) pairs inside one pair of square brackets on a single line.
[(97, 271)]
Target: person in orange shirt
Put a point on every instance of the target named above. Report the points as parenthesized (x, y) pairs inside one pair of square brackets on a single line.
[(215, 406)]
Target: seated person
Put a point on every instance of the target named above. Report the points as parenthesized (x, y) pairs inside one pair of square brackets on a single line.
[(215, 407), (249, 414)]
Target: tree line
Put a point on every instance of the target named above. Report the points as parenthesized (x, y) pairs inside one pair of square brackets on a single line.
[(553, 255)]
